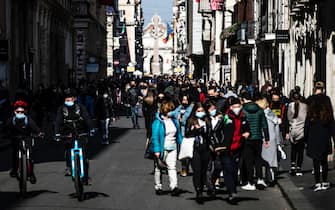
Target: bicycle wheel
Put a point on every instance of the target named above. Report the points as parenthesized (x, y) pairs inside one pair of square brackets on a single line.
[(23, 174), (78, 184)]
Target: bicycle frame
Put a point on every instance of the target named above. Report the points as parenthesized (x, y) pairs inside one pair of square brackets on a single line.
[(26, 149), (77, 150)]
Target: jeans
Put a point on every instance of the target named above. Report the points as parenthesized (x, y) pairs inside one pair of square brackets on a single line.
[(229, 165), (252, 158), (134, 115), (170, 157), (321, 163), (297, 153), (105, 128), (200, 162)]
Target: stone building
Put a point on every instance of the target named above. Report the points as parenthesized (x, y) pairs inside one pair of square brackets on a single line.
[(157, 53), (39, 37)]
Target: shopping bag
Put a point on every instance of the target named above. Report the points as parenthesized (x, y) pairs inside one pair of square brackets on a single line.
[(186, 148)]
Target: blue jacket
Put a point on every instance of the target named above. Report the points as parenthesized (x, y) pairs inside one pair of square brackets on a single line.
[(158, 134)]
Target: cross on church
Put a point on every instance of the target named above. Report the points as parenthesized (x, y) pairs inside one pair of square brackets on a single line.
[(156, 29)]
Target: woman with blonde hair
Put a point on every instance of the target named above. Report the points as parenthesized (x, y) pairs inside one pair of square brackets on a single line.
[(166, 136)]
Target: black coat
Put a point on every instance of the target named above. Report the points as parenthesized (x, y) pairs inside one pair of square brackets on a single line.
[(21, 127), (221, 135), (318, 138), (104, 108), (80, 119)]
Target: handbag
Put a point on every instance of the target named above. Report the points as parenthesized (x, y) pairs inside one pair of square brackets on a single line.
[(160, 164), (186, 148), (148, 154)]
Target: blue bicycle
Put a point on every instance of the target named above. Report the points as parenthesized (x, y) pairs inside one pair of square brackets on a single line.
[(78, 166)]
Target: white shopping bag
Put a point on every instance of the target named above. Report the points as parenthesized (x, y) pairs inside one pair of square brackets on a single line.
[(186, 148)]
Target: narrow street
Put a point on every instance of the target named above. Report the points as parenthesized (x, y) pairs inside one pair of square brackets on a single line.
[(121, 180)]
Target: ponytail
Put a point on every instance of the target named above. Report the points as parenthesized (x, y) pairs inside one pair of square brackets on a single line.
[(296, 109)]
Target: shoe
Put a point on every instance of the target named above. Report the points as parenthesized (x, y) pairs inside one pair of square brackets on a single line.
[(13, 173), (105, 142), (261, 184), (33, 179), (88, 181), (292, 171), (183, 173), (211, 193), (175, 192), (249, 187), (298, 172), (159, 192), (232, 200), (67, 172), (317, 187), (199, 198), (325, 185)]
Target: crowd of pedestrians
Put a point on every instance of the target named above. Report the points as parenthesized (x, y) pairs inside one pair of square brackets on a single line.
[(215, 131), (237, 133)]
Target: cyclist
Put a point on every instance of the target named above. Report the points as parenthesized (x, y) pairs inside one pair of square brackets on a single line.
[(21, 125), (73, 118)]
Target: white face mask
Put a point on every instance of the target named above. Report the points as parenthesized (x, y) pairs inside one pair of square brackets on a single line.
[(143, 92), (105, 95), (237, 110)]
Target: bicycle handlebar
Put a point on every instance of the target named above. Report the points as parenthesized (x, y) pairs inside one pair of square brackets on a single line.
[(60, 137)]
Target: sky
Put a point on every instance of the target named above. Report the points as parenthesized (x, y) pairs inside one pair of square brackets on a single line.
[(161, 7)]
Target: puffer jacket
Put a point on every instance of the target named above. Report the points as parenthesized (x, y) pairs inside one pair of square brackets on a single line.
[(257, 121), (158, 134)]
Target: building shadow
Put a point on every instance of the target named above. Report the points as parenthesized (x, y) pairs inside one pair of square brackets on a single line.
[(7, 199)]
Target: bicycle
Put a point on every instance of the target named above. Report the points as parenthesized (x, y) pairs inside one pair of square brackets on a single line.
[(26, 144), (77, 163)]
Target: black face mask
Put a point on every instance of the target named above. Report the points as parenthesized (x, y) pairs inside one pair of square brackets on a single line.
[(212, 98), (275, 103), (185, 105)]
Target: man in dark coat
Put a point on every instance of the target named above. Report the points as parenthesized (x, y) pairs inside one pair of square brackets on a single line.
[(252, 151)]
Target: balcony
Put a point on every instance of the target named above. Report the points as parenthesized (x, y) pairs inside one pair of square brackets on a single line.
[(246, 33), (240, 34), (298, 7)]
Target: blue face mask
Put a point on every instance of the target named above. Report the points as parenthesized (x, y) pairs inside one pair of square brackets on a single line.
[(213, 112), (20, 116), (200, 115), (69, 103)]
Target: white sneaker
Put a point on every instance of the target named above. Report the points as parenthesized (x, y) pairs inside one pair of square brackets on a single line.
[(317, 187), (298, 172), (261, 182), (249, 187), (325, 185)]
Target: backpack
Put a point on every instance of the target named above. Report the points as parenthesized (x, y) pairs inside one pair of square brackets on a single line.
[(133, 96), (66, 114)]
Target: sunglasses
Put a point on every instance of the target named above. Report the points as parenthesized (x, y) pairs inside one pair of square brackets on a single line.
[(19, 112)]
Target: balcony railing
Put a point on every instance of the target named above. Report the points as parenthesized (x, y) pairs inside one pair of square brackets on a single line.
[(246, 32)]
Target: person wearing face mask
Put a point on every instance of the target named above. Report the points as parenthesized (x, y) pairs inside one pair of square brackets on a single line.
[(228, 134), (270, 154), (133, 102), (277, 106), (252, 150), (21, 124), (72, 117), (166, 136), (105, 113), (185, 111), (197, 127)]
